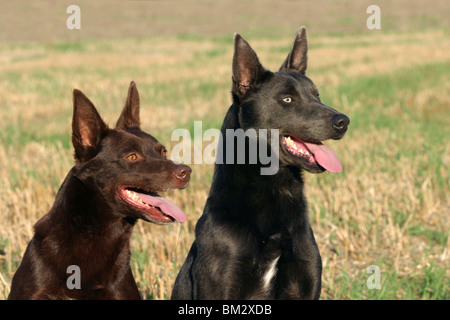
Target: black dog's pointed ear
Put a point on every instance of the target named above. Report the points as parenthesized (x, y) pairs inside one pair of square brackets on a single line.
[(297, 58), (88, 128), (247, 70), (130, 113)]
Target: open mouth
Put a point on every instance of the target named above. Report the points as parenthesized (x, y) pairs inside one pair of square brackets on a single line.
[(313, 154), (154, 207)]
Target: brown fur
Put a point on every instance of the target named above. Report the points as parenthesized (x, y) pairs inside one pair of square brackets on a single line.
[(89, 224)]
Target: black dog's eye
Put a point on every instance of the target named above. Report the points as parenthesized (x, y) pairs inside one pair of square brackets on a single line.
[(287, 99), (164, 153), (132, 157)]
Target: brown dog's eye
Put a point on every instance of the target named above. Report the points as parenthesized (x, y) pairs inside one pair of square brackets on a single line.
[(163, 153), (132, 157)]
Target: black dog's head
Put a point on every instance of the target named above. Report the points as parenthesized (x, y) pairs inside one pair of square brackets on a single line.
[(289, 101), (125, 165)]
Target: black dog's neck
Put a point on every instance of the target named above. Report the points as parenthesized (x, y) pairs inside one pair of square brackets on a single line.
[(270, 202)]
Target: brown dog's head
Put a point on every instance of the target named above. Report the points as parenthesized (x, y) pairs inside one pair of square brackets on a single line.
[(125, 166)]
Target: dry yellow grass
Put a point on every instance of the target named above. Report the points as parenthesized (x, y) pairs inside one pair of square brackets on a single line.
[(355, 215)]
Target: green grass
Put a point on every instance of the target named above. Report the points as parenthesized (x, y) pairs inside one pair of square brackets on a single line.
[(431, 285), (388, 208), (384, 91)]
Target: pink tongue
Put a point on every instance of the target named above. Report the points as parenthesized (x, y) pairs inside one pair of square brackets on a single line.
[(324, 156), (169, 208)]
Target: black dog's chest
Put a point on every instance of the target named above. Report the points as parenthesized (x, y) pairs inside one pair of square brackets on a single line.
[(281, 268), (261, 275)]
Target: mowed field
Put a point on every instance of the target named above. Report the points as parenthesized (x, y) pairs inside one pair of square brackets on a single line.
[(390, 207)]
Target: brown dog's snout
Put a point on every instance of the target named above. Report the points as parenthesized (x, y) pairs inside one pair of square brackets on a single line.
[(182, 172)]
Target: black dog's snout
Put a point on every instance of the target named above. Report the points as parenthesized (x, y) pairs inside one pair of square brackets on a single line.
[(340, 122)]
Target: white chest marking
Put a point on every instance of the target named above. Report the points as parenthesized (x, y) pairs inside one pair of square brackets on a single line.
[(270, 273)]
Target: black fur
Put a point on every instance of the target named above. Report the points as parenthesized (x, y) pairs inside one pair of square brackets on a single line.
[(250, 219)]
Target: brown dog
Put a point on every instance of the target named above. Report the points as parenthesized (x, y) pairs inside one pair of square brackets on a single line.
[(81, 249)]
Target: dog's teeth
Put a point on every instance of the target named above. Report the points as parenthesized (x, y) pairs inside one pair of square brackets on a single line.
[(134, 196), (289, 141)]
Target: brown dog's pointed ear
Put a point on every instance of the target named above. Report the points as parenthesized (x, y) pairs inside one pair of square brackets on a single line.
[(88, 128), (247, 70), (130, 113), (297, 58)]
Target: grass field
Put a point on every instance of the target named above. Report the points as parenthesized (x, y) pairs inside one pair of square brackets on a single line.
[(390, 207)]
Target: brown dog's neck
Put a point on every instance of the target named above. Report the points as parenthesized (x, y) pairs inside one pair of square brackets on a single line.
[(82, 225)]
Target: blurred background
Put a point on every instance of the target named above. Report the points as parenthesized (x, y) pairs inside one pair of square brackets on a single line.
[(390, 207)]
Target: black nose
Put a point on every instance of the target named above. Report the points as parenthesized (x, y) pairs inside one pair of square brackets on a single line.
[(340, 122)]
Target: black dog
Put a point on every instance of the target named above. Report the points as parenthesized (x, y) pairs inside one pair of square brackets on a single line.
[(254, 240), (114, 183)]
